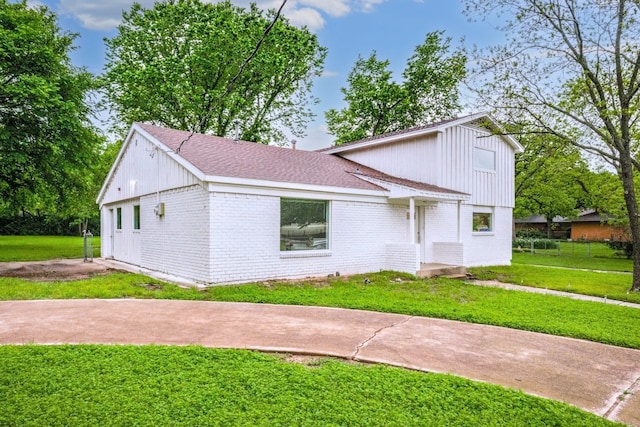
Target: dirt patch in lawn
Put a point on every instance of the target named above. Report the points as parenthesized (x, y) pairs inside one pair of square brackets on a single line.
[(54, 270)]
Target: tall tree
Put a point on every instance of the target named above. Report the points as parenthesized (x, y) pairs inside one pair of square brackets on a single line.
[(378, 104), (552, 179), (183, 64), (46, 139), (571, 68)]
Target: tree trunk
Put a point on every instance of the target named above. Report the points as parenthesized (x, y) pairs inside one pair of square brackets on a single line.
[(626, 175), (549, 231)]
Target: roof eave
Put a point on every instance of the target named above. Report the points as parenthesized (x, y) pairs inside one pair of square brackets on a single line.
[(421, 132)]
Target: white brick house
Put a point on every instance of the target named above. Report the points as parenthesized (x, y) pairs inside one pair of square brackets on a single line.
[(215, 211)]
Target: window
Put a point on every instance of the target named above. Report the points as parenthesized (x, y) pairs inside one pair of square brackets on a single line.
[(484, 159), (303, 224), (482, 219), (136, 217), (119, 219)]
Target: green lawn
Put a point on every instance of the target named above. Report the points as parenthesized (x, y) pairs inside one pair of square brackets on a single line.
[(611, 285), (387, 292), (38, 248), (604, 261), (153, 385)]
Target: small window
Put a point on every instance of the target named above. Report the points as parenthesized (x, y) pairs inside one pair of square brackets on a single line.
[(484, 159), (136, 217), (119, 219), (482, 222), (303, 224)]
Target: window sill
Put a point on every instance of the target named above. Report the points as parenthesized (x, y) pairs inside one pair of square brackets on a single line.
[(305, 254), (484, 233)]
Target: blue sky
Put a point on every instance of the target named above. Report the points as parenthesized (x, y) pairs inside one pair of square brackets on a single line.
[(348, 28)]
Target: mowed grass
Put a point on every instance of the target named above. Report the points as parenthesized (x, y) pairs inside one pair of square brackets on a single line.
[(588, 269), (610, 285), (599, 257), (387, 292), (39, 248), (153, 385)]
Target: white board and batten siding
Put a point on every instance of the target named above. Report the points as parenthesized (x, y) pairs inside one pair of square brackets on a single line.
[(487, 188), (142, 172), (412, 159)]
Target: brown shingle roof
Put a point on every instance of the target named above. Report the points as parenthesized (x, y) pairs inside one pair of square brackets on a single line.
[(216, 156)]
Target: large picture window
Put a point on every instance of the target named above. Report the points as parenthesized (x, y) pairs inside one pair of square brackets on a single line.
[(303, 224), (482, 220), (484, 159)]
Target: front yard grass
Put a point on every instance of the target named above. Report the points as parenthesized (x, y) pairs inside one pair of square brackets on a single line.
[(611, 285), (604, 262), (387, 292), (156, 385), (39, 248)]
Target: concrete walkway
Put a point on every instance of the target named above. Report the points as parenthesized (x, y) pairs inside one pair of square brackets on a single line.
[(596, 377)]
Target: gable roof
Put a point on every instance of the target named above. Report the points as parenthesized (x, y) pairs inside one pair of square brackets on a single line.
[(213, 158), (481, 119), (216, 156)]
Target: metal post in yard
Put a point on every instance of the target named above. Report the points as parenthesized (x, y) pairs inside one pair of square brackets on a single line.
[(88, 246)]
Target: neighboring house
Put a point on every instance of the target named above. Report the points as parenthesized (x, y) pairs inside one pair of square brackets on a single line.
[(591, 226), (215, 210), (558, 228)]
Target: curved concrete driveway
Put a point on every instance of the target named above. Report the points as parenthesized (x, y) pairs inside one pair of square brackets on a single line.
[(598, 378)]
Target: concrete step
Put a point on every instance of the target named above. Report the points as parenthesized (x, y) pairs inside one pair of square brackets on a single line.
[(439, 270)]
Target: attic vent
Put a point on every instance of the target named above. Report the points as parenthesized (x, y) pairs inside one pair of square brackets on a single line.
[(236, 136)]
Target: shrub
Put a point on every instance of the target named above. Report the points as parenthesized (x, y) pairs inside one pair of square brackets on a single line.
[(530, 233), (626, 247), (537, 243)]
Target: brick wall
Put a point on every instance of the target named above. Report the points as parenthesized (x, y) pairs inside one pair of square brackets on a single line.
[(402, 257), (491, 248), (177, 243), (245, 238)]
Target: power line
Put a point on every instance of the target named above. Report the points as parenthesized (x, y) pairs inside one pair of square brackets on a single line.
[(240, 71)]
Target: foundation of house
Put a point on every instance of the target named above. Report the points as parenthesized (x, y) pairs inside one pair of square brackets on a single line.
[(429, 270)]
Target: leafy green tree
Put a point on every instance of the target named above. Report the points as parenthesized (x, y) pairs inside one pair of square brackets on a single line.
[(552, 179), (182, 64), (571, 69), (378, 104), (46, 140)]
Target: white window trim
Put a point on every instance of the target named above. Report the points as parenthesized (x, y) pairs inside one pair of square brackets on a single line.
[(484, 209), (308, 253), (476, 167)]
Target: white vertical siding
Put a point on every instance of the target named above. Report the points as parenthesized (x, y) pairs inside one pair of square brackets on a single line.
[(414, 159), (144, 169), (488, 188), (126, 240)]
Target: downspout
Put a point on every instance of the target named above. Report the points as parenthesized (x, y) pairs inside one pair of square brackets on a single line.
[(459, 222), (412, 220)]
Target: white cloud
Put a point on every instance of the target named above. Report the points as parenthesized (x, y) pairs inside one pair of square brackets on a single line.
[(105, 15), (370, 5), (335, 8), (98, 14), (308, 17), (329, 74)]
